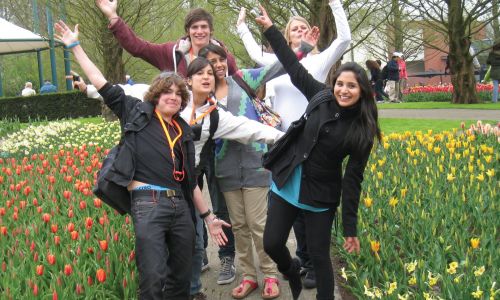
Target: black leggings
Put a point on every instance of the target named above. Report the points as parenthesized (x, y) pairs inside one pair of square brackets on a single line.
[(280, 218)]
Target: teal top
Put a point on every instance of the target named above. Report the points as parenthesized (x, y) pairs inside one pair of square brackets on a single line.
[(291, 191)]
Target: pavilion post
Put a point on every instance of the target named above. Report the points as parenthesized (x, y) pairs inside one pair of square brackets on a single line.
[(50, 29)]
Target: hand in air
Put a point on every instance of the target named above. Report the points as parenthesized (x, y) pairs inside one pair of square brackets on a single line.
[(108, 7), (242, 16), (312, 36), (264, 20), (65, 34)]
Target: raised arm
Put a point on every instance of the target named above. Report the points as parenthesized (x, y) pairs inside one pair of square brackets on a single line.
[(254, 50), (260, 76), (70, 40), (244, 130), (299, 75), (319, 65), (157, 55)]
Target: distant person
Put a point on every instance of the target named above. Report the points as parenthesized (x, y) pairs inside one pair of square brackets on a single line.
[(48, 87), (494, 61), (393, 77), (28, 90), (129, 80), (376, 80), (403, 76)]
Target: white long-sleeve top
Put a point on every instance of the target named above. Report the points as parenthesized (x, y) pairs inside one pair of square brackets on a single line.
[(230, 127), (288, 100)]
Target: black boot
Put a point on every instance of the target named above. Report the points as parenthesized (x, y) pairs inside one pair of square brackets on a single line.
[(293, 274)]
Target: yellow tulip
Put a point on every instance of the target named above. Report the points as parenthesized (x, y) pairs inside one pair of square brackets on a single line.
[(393, 201), (375, 246), (474, 243), (368, 202), (480, 177), (450, 177), (490, 172), (380, 175)]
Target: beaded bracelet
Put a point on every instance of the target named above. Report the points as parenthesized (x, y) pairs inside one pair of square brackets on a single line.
[(72, 45)]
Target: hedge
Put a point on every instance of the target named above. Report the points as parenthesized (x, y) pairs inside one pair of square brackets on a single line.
[(484, 96), (49, 106)]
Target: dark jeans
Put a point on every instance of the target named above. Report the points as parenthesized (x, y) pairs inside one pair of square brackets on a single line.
[(280, 218), (379, 90), (219, 207), (299, 228), (164, 245)]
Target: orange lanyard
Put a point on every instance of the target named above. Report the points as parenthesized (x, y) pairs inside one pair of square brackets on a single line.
[(194, 120), (178, 175)]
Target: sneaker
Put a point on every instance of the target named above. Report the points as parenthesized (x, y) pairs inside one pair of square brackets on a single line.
[(199, 296), (309, 281), (227, 272), (204, 265)]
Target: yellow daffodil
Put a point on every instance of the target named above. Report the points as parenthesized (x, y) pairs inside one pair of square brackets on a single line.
[(452, 267), (412, 280), (392, 287), (474, 243), (450, 177), (433, 279), (437, 150), (369, 293), (411, 266), (477, 294), (343, 273), (479, 271), (380, 175)]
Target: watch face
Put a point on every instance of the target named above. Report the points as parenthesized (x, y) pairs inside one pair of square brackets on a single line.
[(196, 131)]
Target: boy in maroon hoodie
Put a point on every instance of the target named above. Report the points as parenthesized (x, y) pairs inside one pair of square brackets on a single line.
[(168, 56)]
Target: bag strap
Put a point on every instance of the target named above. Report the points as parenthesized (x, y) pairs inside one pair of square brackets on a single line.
[(321, 97), (242, 83), (214, 123)]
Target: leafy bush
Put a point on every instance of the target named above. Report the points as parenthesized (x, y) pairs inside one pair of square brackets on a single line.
[(49, 106), (8, 126)]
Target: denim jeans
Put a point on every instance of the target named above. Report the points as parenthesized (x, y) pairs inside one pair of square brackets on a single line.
[(164, 245), (197, 257), (495, 90)]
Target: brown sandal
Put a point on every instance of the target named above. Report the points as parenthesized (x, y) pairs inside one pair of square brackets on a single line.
[(267, 291), (241, 288)]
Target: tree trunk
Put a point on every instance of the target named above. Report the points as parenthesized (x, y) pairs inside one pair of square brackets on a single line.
[(397, 26), (113, 67), (495, 23), (461, 68), (328, 33)]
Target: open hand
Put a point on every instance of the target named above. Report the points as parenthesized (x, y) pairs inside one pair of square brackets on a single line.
[(65, 34), (351, 244), (264, 20), (242, 16), (312, 36), (108, 7), (215, 229)]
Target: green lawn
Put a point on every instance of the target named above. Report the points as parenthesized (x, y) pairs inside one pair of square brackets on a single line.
[(437, 105), (402, 125)]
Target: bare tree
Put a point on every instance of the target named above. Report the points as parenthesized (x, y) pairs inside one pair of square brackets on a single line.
[(456, 22)]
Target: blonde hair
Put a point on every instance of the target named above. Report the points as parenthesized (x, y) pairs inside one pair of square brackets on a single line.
[(288, 28)]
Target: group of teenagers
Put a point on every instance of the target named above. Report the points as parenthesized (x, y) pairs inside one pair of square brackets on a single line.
[(197, 118)]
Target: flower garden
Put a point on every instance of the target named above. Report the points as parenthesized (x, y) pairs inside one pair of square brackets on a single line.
[(428, 217)]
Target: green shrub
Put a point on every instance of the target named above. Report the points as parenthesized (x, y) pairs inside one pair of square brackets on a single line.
[(484, 96), (49, 107), (8, 126)]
